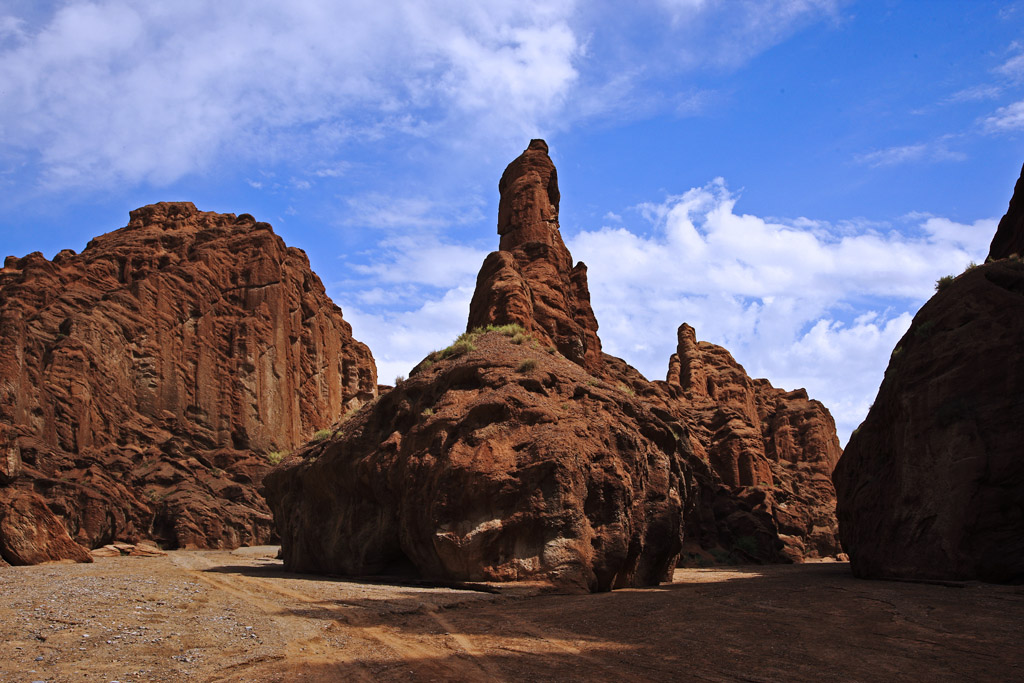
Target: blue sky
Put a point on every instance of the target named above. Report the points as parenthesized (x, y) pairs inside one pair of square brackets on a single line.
[(788, 176)]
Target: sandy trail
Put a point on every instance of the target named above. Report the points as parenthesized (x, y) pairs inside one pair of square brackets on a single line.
[(223, 616)]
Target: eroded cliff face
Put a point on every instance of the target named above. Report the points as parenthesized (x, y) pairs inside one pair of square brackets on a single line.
[(931, 485), (525, 452), (770, 447), (143, 381)]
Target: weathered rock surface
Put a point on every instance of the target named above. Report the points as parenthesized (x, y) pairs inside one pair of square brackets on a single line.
[(531, 280), (773, 450), (1009, 237), (503, 463), (143, 381), (30, 533), (931, 485), (533, 455)]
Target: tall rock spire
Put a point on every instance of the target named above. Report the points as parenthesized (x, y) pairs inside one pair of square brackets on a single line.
[(531, 280)]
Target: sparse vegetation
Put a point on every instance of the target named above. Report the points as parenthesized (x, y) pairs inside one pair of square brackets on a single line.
[(628, 390), (322, 434), (896, 352), (946, 279), (462, 345), (466, 342), (427, 412), (527, 365), (399, 380), (275, 457)]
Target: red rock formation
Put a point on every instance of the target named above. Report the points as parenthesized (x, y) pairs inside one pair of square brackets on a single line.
[(931, 485), (504, 463), (30, 534), (772, 449), (1009, 237), (508, 461), (143, 381), (531, 281)]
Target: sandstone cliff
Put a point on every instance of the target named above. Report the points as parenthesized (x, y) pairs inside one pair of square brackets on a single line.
[(931, 485), (144, 381), (526, 453)]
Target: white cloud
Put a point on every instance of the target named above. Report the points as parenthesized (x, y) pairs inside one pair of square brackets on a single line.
[(103, 93), (378, 210), (411, 259), (800, 302), (400, 339), (1006, 119), (112, 91)]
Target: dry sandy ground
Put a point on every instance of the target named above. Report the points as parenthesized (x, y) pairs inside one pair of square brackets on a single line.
[(222, 616)]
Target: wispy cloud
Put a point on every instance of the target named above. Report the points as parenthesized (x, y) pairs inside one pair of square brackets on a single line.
[(1005, 119), (102, 93), (106, 92), (1013, 68), (903, 154), (975, 94)]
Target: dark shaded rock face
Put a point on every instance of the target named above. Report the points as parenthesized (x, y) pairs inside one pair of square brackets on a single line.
[(143, 381), (504, 463), (931, 485), (531, 280), (527, 453), (1009, 237)]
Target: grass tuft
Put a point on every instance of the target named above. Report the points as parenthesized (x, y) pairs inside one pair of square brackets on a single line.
[(527, 365)]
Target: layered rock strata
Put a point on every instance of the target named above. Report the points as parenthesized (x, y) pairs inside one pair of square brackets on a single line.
[(526, 453), (144, 381), (931, 485)]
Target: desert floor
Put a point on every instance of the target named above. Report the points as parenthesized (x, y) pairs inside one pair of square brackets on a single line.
[(237, 616)]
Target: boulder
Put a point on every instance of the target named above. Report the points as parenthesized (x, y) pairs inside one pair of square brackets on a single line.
[(30, 533)]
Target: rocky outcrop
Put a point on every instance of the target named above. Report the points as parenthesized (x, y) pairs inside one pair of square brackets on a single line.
[(1009, 237), (498, 461), (931, 485), (30, 533), (144, 381), (771, 449), (524, 452), (531, 280)]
